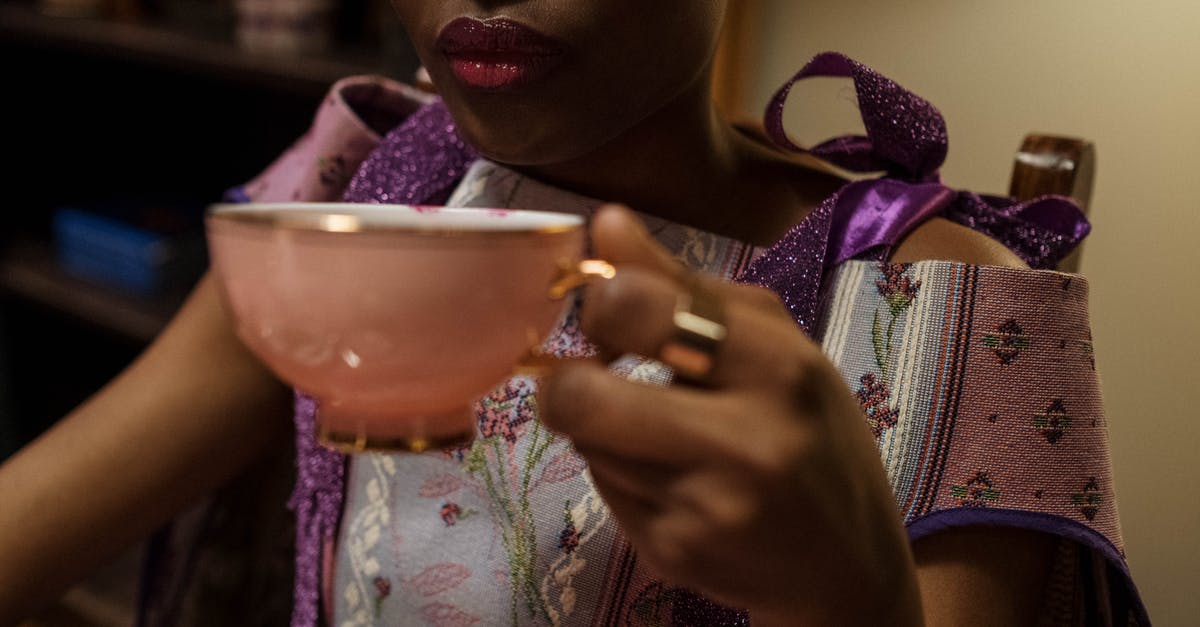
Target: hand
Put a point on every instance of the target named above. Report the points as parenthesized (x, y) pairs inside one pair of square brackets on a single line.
[(762, 487)]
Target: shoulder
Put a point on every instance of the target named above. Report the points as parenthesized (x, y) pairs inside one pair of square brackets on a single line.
[(942, 240)]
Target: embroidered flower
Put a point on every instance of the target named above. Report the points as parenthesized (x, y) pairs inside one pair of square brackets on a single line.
[(441, 485), (897, 290), (874, 397), (568, 340), (383, 586), (507, 409), (1053, 424), (333, 171), (450, 512), (568, 539), (898, 293), (1007, 342), (508, 478), (445, 615), (1090, 500), (563, 467), (438, 578), (977, 492)]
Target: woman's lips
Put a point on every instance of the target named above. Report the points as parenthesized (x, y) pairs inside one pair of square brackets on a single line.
[(498, 54)]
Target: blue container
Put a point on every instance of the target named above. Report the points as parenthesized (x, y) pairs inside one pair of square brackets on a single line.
[(114, 252)]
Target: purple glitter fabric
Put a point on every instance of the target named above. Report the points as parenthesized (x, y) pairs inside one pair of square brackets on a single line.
[(906, 135), (317, 502), (421, 161), (793, 267), (693, 610), (418, 162), (1042, 231), (906, 138)]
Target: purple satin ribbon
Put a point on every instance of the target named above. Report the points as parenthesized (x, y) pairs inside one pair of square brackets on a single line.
[(906, 139), (884, 210), (874, 216)]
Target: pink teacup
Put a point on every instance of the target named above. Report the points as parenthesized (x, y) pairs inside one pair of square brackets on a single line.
[(395, 318)]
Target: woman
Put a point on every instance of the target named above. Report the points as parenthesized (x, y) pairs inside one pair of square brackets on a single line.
[(752, 482)]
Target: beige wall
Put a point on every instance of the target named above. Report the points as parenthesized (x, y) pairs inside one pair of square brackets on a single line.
[(1127, 76)]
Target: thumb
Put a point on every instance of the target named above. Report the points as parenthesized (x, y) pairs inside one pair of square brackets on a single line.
[(619, 237)]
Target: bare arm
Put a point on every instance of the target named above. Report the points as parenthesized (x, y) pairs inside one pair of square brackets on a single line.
[(976, 575), (192, 411), (984, 575)]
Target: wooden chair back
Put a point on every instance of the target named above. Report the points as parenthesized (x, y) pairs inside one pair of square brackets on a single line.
[(1051, 164)]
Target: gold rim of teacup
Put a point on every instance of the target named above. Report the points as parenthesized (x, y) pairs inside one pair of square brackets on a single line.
[(309, 217)]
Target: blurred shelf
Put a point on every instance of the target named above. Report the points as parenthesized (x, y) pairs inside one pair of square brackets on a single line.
[(29, 271), (182, 49)]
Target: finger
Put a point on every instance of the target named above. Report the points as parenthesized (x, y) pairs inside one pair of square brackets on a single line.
[(600, 412), (671, 538), (633, 514), (721, 500), (636, 479), (685, 548), (620, 237), (634, 313)]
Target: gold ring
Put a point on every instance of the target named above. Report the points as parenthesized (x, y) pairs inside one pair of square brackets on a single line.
[(699, 322)]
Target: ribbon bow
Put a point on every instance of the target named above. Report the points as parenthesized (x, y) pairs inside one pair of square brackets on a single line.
[(906, 140), (906, 135)]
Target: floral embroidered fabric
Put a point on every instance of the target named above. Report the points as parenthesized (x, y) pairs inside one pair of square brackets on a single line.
[(508, 530), (980, 386)]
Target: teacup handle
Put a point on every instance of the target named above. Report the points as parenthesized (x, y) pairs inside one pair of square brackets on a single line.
[(572, 275)]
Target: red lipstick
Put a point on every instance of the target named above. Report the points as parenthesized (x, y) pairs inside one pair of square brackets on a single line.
[(499, 53)]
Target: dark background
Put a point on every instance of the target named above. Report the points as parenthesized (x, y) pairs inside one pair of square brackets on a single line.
[(97, 118)]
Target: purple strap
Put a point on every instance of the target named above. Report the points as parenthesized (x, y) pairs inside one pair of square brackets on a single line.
[(1042, 231), (906, 139), (317, 502), (793, 267), (418, 162), (884, 210), (906, 136)]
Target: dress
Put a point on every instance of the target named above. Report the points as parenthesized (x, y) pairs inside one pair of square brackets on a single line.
[(509, 530)]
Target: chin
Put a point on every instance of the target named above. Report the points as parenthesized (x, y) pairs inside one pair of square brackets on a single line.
[(520, 145), (538, 130)]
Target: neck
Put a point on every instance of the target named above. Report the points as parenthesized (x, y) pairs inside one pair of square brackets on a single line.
[(683, 164), (688, 165)]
